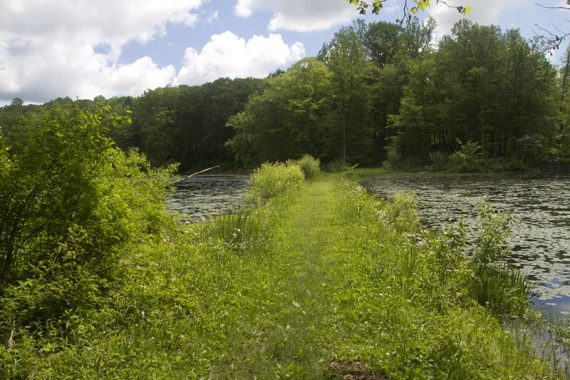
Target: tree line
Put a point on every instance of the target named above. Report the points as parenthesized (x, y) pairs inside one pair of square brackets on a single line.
[(377, 92)]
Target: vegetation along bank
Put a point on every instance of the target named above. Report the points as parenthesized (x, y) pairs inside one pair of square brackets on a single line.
[(312, 278)]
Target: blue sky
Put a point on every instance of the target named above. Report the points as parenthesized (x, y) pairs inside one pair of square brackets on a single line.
[(85, 48)]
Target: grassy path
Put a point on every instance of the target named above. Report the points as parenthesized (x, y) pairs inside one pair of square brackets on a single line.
[(344, 295), (287, 326), (335, 284)]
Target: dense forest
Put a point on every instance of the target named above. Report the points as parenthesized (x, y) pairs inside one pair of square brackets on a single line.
[(378, 92)]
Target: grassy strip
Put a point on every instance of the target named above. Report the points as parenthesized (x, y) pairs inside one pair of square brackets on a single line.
[(318, 281)]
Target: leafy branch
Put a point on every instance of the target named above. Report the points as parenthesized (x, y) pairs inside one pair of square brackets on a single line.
[(375, 6)]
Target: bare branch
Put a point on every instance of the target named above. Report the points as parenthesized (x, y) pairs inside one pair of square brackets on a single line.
[(552, 7), (553, 40), (193, 174)]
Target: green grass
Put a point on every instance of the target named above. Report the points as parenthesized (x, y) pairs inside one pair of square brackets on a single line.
[(340, 284)]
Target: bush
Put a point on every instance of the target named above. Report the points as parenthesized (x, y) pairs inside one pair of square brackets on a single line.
[(273, 179), (337, 165), (439, 160), (72, 203), (499, 288), (467, 158), (531, 149), (310, 166), (393, 156), (502, 290), (402, 212)]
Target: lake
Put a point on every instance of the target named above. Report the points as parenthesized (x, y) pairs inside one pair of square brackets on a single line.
[(541, 206), (201, 196)]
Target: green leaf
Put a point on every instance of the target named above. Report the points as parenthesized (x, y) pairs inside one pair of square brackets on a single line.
[(423, 4), (414, 10), (377, 6)]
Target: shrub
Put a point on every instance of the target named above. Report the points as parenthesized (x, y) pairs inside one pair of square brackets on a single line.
[(501, 289), (310, 166), (393, 156), (71, 204), (402, 212), (467, 158), (531, 149), (273, 179), (439, 160), (337, 165)]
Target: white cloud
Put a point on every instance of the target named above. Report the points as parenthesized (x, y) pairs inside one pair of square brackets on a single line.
[(227, 55), (299, 15), (213, 17), (51, 48), (482, 11)]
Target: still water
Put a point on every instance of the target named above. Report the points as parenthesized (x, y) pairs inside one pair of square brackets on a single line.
[(541, 206), (199, 197)]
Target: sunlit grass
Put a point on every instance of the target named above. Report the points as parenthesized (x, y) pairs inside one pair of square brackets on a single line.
[(320, 280)]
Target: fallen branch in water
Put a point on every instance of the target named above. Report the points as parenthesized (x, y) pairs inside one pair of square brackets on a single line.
[(193, 174)]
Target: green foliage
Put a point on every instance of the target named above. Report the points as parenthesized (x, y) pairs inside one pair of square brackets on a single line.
[(467, 158), (244, 231), (352, 73), (494, 229), (344, 285), (289, 118), (402, 212), (439, 160), (72, 203), (375, 6), (337, 165), (472, 89), (310, 166), (273, 179), (393, 156), (501, 289), (413, 302), (335, 107), (531, 149)]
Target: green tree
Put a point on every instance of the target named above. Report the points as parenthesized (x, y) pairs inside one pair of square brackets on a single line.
[(353, 76), (392, 48), (481, 85), (289, 118), (186, 124)]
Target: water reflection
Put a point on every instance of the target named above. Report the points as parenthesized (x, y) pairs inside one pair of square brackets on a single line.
[(541, 236), (205, 195)]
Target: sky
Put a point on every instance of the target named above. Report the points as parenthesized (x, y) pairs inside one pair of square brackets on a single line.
[(86, 48)]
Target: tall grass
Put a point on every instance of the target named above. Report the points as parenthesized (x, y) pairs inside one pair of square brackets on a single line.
[(354, 293), (273, 179), (420, 307), (240, 232), (502, 289)]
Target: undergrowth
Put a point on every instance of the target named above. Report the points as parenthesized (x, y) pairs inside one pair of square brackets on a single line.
[(308, 280)]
